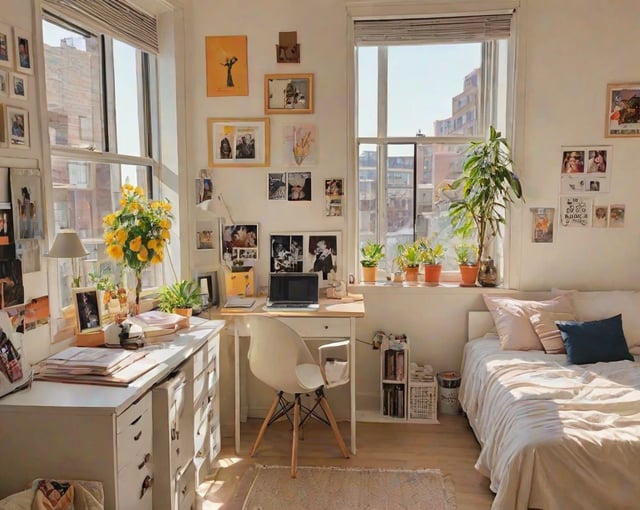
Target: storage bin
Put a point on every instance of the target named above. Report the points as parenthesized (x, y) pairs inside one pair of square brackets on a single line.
[(449, 383)]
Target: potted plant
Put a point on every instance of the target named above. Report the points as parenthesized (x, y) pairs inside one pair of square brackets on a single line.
[(488, 184), (432, 253), (180, 297), (409, 258), (372, 253), (466, 254)]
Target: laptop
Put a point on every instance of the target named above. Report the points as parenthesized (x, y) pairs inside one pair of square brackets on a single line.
[(293, 291)]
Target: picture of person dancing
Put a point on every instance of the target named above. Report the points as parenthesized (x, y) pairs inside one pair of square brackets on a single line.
[(229, 64)]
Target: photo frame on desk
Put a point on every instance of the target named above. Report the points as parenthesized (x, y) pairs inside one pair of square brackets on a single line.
[(87, 309)]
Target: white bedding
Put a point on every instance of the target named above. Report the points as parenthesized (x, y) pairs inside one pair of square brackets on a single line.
[(554, 436)]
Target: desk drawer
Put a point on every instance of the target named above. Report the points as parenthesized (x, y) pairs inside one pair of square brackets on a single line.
[(133, 413), (318, 328)]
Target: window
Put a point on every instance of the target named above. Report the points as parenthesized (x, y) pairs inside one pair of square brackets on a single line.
[(98, 95), (423, 95)]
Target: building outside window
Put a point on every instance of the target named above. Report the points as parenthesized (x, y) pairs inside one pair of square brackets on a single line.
[(98, 91), (419, 104)]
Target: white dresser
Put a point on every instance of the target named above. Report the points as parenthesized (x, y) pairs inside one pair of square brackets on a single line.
[(122, 436)]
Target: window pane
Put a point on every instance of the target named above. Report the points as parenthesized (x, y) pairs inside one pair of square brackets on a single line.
[(433, 89), (368, 91), (400, 194), (368, 193), (127, 82), (72, 70)]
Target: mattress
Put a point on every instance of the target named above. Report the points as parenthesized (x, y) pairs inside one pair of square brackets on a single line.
[(554, 436)]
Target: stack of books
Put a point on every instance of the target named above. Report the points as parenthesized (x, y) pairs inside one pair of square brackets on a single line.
[(421, 373)]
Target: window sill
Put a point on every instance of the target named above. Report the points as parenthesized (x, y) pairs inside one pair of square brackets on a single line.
[(422, 288)]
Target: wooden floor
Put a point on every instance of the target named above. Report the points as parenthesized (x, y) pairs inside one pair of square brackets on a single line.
[(449, 446)]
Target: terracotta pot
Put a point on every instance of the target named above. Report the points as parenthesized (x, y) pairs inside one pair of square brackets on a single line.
[(411, 273), (432, 273), (369, 274), (468, 275), (186, 313)]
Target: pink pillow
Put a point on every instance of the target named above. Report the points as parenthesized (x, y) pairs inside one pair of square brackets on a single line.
[(511, 317)]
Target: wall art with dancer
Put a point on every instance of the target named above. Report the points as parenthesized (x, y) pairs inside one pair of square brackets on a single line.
[(26, 197)]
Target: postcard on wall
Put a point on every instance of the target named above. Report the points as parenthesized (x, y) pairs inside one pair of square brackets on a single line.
[(600, 216), (300, 145), (226, 63), (586, 169), (616, 215), (286, 253), (239, 243), (204, 190), (24, 51), (36, 313), (623, 110), (205, 235), (11, 287), (26, 194), (299, 186), (575, 211), (333, 193), (18, 127), (6, 46), (277, 186), (542, 224), (322, 254)]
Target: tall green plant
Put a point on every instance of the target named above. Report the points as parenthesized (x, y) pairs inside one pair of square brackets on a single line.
[(488, 185)]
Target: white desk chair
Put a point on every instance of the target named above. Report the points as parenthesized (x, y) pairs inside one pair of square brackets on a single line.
[(279, 358)]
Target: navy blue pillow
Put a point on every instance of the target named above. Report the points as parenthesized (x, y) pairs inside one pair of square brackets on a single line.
[(594, 341)]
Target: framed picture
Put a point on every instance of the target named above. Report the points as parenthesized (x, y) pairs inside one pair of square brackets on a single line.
[(623, 110), (26, 197), (322, 255), (85, 300), (6, 46), (3, 126), (238, 142), (17, 86), (24, 51), (4, 83), (288, 93), (226, 62), (542, 224), (18, 127)]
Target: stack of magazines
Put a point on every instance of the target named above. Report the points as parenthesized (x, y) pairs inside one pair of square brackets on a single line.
[(94, 366)]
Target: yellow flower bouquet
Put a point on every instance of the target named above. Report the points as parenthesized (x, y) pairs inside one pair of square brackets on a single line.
[(136, 235)]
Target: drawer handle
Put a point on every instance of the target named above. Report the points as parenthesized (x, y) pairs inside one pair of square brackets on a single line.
[(137, 436), (326, 327), (147, 458), (146, 484), (136, 420)]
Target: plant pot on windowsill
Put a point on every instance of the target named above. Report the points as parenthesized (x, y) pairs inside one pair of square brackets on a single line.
[(432, 273), (411, 273), (369, 274), (468, 275)]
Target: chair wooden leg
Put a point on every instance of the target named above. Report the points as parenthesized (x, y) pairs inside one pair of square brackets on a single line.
[(334, 426), (265, 424), (294, 445)]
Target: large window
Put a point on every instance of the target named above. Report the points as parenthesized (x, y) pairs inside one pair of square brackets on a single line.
[(98, 92), (421, 99)]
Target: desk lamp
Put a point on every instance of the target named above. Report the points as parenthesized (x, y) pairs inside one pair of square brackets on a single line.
[(67, 245)]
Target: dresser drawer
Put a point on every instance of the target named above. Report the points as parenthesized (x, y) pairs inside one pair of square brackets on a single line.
[(135, 488), (318, 328), (199, 361), (186, 490), (213, 346), (133, 413), (136, 442), (199, 386)]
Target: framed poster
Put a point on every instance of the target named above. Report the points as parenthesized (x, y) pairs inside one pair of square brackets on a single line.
[(623, 110), (24, 51), (288, 93), (6, 46), (238, 142), (18, 127), (226, 62)]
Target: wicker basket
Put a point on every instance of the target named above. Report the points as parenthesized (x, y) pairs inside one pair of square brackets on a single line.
[(423, 401)]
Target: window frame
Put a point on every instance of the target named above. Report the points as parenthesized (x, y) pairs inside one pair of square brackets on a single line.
[(491, 60)]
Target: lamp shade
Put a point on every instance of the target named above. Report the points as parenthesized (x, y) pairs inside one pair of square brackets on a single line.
[(67, 245)]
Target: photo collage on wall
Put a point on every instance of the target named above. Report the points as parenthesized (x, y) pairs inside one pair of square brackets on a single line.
[(239, 244)]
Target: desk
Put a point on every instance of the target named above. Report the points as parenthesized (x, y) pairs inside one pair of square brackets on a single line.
[(334, 319)]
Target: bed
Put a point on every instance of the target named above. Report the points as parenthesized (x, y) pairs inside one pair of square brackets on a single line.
[(553, 435)]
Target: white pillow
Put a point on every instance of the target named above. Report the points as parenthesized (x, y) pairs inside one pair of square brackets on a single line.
[(511, 317)]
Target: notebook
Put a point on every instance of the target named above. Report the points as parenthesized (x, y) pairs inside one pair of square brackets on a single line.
[(293, 291)]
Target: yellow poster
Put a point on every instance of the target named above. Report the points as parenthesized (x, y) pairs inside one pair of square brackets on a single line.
[(227, 69)]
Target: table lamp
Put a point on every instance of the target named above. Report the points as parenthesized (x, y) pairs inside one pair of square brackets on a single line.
[(67, 245)]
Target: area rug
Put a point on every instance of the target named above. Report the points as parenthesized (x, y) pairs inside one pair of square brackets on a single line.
[(325, 488)]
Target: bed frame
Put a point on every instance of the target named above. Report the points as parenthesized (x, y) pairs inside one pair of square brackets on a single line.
[(478, 323)]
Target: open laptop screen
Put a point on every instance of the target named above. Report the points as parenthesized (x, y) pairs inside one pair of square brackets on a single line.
[(293, 288)]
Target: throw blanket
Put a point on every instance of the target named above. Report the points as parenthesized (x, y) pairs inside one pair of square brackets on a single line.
[(57, 495)]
